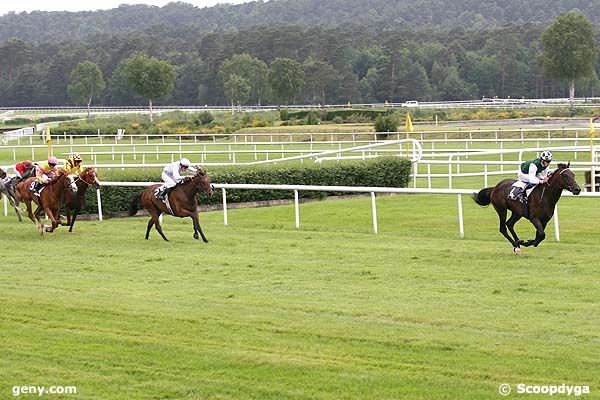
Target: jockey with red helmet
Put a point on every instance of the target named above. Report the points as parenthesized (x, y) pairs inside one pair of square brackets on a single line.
[(24, 169)]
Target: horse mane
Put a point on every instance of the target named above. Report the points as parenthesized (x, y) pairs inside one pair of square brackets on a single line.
[(200, 171), (61, 172)]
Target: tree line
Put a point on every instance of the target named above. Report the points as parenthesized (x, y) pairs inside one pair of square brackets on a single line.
[(280, 64), (381, 15)]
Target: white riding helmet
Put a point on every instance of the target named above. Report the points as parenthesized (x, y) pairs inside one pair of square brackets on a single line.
[(546, 156), (184, 162)]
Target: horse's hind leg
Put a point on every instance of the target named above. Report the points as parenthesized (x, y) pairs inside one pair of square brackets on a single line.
[(155, 216), (514, 218), (150, 224), (503, 230)]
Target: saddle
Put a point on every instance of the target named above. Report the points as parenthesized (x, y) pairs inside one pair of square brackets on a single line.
[(525, 187)]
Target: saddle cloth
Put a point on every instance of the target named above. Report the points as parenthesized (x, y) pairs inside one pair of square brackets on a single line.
[(165, 201), (32, 187), (522, 185)]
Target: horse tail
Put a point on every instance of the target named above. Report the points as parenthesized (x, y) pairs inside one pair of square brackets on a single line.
[(483, 197), (134, 206)]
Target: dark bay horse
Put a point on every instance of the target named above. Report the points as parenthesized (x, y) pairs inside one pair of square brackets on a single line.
[(182, 199), (74, 201), (542, 202), (49, 200), (9, 191)]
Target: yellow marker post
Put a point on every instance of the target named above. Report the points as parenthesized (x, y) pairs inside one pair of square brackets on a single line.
[(49, 141), (409, 125)]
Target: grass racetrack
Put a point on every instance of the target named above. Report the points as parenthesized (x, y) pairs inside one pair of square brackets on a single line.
[(330, 311)]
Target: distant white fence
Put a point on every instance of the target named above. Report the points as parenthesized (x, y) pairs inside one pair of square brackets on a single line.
[(507, 103), (6, 114), (17, 134)]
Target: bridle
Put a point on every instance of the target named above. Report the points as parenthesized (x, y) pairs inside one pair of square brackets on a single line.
[(562, 184), (87, 175)]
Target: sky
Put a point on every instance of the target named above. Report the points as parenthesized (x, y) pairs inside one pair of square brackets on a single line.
[(91, 5)]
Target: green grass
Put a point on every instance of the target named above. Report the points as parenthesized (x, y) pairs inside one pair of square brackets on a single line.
[(330, 311)]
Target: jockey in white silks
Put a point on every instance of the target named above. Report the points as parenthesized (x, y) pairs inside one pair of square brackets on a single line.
[(171, 176)]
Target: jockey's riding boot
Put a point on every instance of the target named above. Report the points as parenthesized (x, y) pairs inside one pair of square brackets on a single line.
[(515, 193)]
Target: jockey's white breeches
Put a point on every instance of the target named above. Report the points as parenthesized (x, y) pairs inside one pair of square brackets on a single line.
[(169, 182)]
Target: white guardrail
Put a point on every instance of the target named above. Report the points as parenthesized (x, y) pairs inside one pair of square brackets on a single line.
[(350, 189)]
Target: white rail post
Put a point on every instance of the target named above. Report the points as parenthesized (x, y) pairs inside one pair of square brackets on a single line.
[(429, 175), (485, 175), (5, 206), (416, 172), (502, 156), (374, 212), (224, 206), (296, 209), (556, 227), (450, 172), (461, 225), (99, 205)]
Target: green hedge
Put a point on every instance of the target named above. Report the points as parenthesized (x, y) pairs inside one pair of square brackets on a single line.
[(382, 172), (344, 114)]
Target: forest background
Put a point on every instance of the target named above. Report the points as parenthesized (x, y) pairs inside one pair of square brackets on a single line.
[(348, 51)]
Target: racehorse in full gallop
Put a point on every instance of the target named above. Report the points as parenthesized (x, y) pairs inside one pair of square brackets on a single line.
[(542, 202), (182, 199), (49, 199), (74, 201), (9, 191)]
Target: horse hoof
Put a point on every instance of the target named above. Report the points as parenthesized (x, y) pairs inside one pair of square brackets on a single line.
[(196, 236), (517, 251)]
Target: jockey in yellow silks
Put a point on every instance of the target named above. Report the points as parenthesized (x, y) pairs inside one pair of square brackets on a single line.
[(73, 164)]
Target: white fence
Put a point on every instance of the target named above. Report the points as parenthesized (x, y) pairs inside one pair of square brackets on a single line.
[(17, 134), (483, 103), (349, 189)]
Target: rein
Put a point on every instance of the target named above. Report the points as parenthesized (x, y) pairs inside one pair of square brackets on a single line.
[(550, 182)]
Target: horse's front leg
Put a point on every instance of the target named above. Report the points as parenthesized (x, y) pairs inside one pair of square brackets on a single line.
[(197, 227), (36, 218), (71, 219), (17, 211), (53, 218), (540, 235)]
